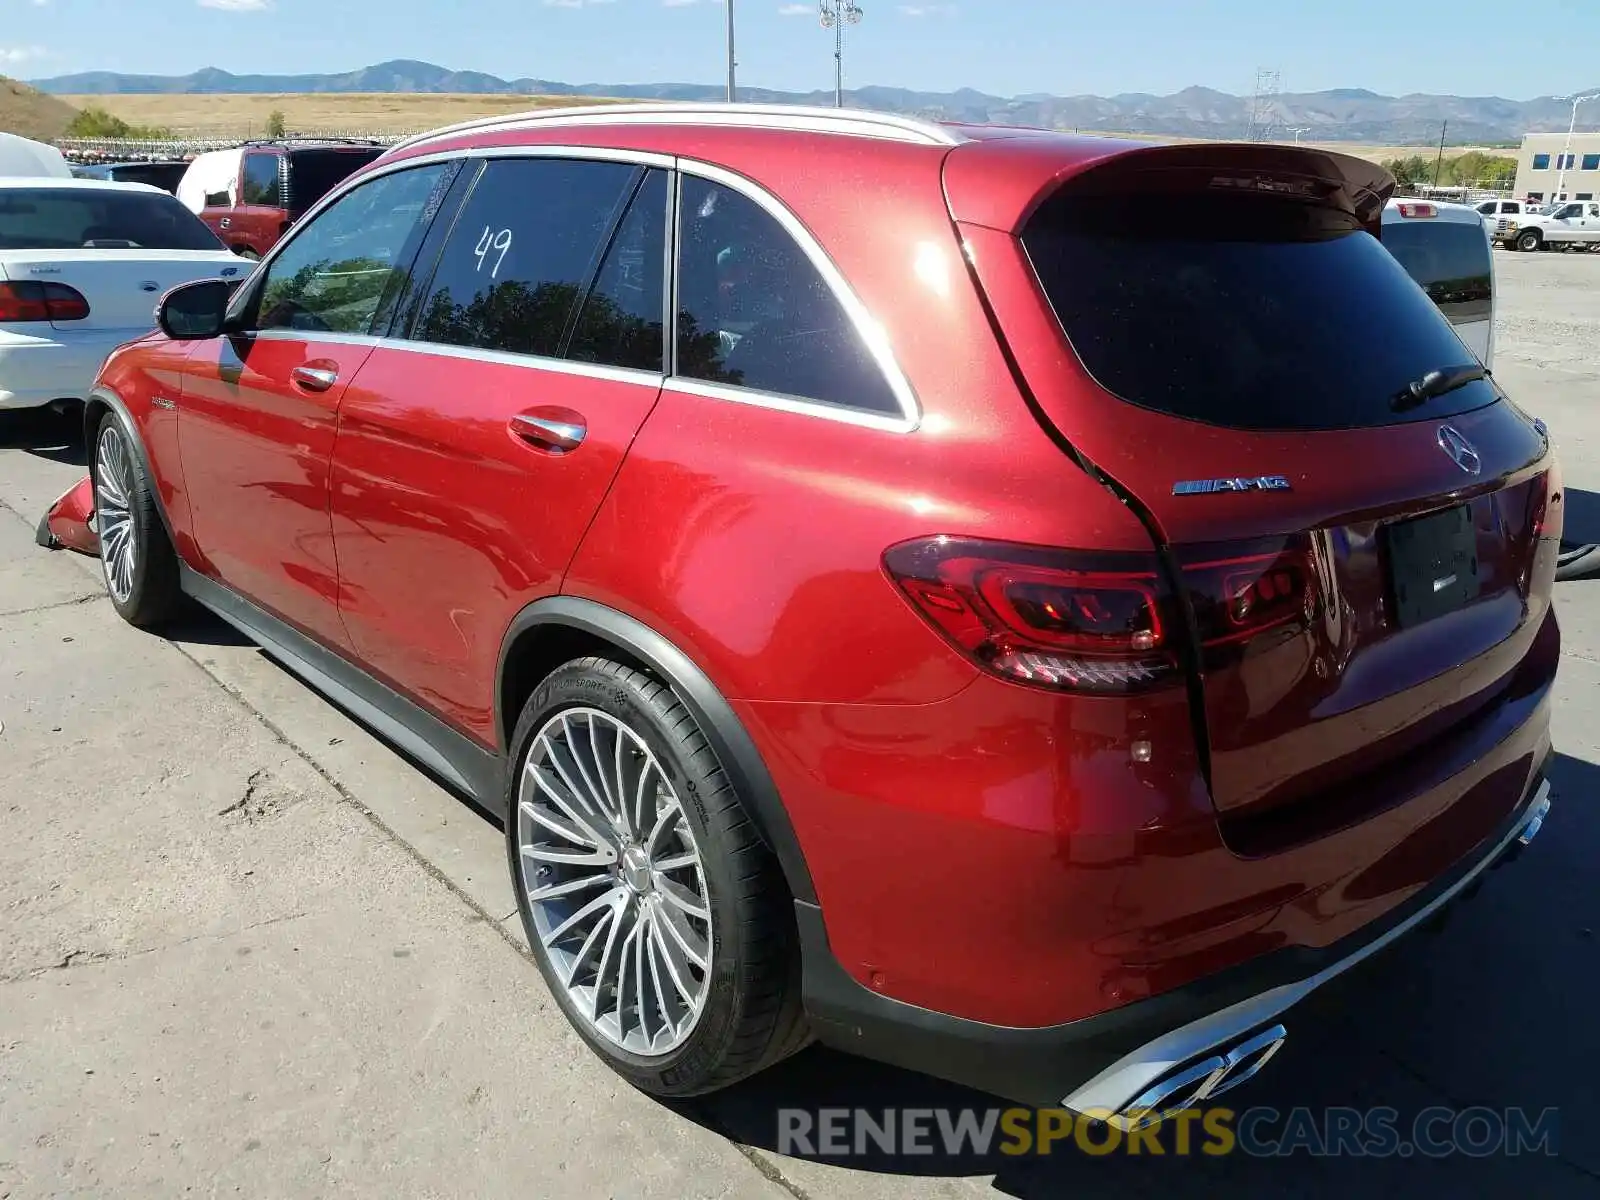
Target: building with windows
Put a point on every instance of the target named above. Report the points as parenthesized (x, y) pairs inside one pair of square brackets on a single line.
[(1539, 167)]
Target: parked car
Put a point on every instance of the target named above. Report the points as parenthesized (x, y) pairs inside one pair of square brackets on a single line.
[(1570, 226), (1498, 214), (251, 194), (20, 156), (82, 264), (1033, 624), (1446, 249), (164, 175)]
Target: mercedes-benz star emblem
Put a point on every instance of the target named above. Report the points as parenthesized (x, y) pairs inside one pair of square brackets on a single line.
[(1459, 449)]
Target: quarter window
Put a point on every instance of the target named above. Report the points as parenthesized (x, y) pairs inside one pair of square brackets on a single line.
[(620, 324), (333, 274), (261, 180), (522, 253), (754, 312)]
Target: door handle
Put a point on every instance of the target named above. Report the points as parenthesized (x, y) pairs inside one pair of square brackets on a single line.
[(550, 428), (315, 379)]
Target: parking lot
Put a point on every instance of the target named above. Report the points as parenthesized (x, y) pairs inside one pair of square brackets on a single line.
[(246, 948)]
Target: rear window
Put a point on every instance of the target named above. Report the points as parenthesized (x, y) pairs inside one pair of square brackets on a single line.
[(1242, 312), (73, 219), (1449, 260), (314, 173)]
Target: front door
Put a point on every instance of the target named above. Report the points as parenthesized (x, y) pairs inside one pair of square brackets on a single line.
[(259, 409), (476, 445)]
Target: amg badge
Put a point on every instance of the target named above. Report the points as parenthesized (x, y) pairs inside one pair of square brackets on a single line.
[(1238, 483)]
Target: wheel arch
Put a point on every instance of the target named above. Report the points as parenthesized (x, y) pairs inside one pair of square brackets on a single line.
[(557, 629), (102, 400)]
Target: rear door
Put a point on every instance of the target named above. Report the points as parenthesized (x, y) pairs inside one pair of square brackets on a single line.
[(478, 441), (1357, 559), (259, 409)]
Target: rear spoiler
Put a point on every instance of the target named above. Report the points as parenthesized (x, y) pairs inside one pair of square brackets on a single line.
[(1001, 182)]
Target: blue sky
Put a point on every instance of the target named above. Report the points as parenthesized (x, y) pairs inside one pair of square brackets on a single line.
[(1001, 46)]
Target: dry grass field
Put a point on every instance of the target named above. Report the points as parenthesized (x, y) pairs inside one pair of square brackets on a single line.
[(359, 112), (405, 112)]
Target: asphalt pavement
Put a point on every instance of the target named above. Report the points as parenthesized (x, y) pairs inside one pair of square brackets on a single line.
[(248, 949)]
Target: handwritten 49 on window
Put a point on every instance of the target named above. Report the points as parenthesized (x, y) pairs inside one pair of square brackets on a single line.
[(529, 239)]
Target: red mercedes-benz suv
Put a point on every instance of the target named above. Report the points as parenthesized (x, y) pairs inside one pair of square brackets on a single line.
[(1029, 608)]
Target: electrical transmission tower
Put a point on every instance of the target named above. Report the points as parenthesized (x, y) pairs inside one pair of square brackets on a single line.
[(1264, 107)]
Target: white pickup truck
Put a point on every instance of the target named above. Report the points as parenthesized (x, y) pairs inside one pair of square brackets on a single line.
[(1569, 226)]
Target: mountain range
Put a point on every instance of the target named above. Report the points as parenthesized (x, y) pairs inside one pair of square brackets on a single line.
[(1342, 114)]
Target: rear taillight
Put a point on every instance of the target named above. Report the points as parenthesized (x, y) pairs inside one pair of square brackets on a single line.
[(1416, 209), (1239, 592), (1054, 618), (29, 300), (1102, 622)]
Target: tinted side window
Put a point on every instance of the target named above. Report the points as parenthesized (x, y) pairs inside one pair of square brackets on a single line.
[(753, 312), (261, 180), (621, 321), (333, 274), (1450, 261), (522, 253)]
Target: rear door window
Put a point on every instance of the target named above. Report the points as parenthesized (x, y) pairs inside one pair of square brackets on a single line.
[(524, 247), (1242, 312), (1450, 261), (753, 312), (261, 180), (621, 321)]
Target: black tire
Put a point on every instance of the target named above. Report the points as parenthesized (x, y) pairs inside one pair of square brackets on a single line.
[(1577, 560), (1529, 240), (247, 253), (147, 594), (751, 1016)]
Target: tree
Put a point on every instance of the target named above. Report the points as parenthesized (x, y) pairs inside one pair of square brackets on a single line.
[(275, 123), (94, 122)]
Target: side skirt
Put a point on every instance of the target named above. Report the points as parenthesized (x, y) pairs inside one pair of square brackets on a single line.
[(453, 757)]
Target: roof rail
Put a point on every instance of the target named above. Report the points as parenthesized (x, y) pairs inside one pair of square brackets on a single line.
[(311, 139), (795, 117)]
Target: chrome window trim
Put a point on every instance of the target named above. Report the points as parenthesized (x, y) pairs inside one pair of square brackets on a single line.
[(562, 366), (864, 417), (795, 118), (867, 327)]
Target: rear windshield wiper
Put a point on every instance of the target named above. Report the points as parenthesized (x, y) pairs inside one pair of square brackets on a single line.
[(1436, 383)]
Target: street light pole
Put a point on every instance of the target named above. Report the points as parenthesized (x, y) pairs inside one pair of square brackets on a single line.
[(1561, 166), (731, 61), (836, 14)]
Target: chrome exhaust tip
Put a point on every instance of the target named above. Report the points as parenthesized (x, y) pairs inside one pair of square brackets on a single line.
[(1536, 815), (1200, 1081)]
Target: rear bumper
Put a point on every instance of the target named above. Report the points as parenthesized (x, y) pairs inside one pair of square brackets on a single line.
[(1101, 1064), (53, 364)]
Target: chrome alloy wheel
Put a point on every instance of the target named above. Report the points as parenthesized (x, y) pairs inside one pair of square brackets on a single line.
[(113, 510), (614, 881)]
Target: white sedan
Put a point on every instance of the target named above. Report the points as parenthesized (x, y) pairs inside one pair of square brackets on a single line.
[(82, 264)]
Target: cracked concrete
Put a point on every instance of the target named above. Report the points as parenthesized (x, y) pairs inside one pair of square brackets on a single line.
[(246, 948)]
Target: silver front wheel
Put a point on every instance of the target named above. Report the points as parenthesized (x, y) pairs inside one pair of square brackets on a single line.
[(113, 508), (614, 881)]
